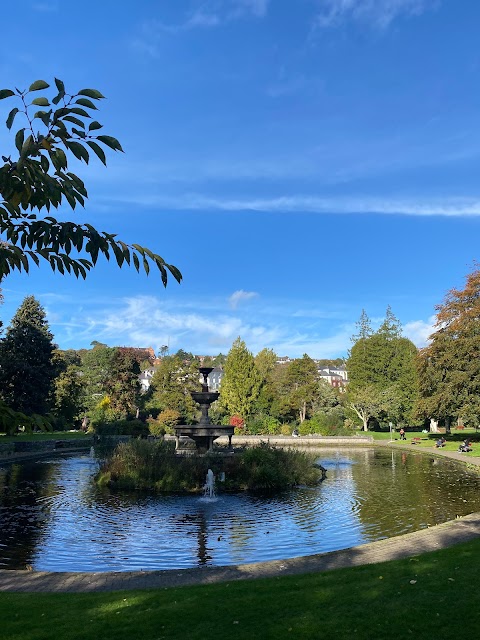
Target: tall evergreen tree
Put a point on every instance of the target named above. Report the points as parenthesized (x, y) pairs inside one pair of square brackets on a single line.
[(27, 370), (364, 328), (241, 382), (385, 361)]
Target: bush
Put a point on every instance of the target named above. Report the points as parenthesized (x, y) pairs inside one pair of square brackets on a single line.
[(263, 425), (133, 428), (166, 422)]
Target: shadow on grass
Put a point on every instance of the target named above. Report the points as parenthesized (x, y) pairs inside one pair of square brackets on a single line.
[(422, 597)]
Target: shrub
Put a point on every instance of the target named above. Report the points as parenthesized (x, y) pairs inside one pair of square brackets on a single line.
[(166, 422), (263, 425), (133, 428)]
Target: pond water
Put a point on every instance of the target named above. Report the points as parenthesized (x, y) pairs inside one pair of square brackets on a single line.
[(53, 517)]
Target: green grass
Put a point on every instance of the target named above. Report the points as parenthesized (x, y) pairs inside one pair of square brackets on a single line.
[(44, 435), (430, 596)]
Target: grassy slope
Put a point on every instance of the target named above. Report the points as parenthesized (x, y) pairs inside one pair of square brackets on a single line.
[(374, 602)]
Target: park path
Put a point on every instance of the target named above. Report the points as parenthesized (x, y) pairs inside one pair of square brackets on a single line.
[(404, 546)]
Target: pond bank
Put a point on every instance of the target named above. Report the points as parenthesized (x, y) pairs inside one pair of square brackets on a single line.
[(405, 546), (28, 450)]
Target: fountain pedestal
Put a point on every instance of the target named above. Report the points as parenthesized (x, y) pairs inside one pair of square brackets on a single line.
[(204, 433)]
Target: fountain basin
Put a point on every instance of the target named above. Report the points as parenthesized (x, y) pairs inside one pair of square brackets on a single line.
[(205, 397)]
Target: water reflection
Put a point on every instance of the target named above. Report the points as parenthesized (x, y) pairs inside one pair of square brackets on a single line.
[(53, 517)]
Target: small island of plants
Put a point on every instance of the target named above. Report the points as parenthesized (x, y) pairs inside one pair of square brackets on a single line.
[(153, 466)]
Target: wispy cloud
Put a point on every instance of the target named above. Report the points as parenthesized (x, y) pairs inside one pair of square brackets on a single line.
[(422, 206), (45, 7), (378, 14), (241, 296), (208, 14), (150, 321)]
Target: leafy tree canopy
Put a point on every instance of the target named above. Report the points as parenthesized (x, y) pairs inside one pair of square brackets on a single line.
[(449, 366), (56, 126)]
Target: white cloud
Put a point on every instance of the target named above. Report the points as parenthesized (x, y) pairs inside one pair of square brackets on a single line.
[(197, 326), (241, 296), (378, 13), (418, 331), (45, 7), (209, 14), (448, 207)]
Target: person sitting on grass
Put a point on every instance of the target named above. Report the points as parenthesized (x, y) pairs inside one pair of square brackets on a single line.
[(465, 447), (440, 443)]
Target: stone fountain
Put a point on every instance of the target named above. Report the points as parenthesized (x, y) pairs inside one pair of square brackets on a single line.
[(204, 433)]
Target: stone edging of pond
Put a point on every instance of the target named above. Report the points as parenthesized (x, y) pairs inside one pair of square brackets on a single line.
[(28, 450), (405, 546)]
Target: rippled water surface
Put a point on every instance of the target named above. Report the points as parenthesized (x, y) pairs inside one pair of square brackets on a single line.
[(54, 518)]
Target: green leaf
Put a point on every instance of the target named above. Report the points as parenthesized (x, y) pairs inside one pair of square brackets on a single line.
[(41, 102), (80, 112), (38, 85), (77, 132), (6, 93), (44, 163), (146, 266), (85, 102), (26, 147), (94, 125), (60, 85), (11, 117), (91, 93), (76, 121), (136, 262), (44, 116), (78, 150), (111, 142), (98, 151)]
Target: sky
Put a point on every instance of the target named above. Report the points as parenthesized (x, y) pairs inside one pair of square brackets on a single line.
[(297, 160)]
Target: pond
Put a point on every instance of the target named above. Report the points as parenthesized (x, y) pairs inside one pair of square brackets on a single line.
[(54, 518)]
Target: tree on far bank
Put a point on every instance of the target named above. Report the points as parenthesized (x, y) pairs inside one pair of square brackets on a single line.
[(385, 361), (241, 382), (449, 366), (27, 368), (171, 387)]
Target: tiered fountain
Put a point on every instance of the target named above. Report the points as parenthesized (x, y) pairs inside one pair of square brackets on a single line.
[(204, 433)]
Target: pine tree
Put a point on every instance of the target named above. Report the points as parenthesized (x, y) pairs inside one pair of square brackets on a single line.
[(385, 361), (27, 370), (364, 328), (241, 382)]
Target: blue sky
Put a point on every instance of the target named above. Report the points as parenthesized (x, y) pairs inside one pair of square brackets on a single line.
[(297, 160)]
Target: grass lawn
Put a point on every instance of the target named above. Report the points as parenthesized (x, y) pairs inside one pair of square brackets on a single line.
[(44, 435), (430, 596)]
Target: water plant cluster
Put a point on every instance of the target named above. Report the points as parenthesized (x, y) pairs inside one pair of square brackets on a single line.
[(142, 464)]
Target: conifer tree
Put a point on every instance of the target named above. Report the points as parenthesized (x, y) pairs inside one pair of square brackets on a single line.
[(27, 370), (385, 361), (241, 382)]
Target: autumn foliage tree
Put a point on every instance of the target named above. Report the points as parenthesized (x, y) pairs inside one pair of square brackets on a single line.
[(449, 367)]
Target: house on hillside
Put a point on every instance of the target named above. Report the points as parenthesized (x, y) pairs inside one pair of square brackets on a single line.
[(335, 376), (145, 379), (214, 379)]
